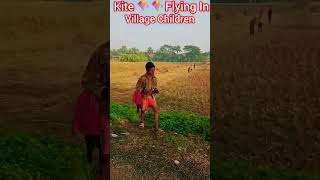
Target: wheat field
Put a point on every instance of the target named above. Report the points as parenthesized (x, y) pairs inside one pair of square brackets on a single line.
[(267, 87), (179, 90)]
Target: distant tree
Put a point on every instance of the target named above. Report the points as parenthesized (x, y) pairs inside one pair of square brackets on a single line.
[(123, 50), (177, 49), (113, 53), (130, 55), (159, 56), (149, 53), (167, 49), (192, 53), (133, 50), (133, 57), (165, 53)]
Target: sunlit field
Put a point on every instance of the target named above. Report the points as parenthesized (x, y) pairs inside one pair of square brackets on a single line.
[(179, 90), (267, 87)]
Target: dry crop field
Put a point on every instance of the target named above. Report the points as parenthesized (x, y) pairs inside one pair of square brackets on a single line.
[(44, 49), (179, 90), (267, 87)]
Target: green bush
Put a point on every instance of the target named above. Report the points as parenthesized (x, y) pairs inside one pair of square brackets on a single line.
[(133, 57), (28, 157)]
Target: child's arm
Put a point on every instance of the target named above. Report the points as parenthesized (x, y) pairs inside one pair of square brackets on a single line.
[(155, 90), (139, 85)]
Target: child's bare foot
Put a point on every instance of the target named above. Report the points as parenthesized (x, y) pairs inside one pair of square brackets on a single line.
[(141, 125), (159, 132)]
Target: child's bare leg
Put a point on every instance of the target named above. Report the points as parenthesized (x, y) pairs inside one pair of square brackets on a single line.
[(105, 167), (90, 148), (143, 114), (156, 117)]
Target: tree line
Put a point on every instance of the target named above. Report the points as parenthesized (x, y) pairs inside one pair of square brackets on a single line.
[(166, 53)]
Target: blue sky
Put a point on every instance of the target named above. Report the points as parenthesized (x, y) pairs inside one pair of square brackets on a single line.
[(156, 35)]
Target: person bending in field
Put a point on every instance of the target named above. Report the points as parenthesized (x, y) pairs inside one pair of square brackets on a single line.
[(90, 118), (269, 14), (252, 25), (260, 24), (147, 86)]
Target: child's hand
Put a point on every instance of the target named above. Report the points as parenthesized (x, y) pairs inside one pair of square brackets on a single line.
[(155, 91)]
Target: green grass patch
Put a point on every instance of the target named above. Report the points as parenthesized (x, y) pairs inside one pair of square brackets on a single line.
[(180, 141), (246, 171), (119, 112), (180, 122), (29, 157)]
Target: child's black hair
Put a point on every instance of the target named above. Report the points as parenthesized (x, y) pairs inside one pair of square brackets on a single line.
[(149, 65)]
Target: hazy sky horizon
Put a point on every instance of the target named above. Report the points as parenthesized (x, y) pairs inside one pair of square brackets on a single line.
[(156, 35)]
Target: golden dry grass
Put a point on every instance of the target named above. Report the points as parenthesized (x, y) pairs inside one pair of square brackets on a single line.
[(267, 88), (44, 49), (179, 90)]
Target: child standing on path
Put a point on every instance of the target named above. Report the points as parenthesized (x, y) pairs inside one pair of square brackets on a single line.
[(147, 87)]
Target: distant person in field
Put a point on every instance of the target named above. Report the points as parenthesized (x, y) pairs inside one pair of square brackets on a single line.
[(147, 86), (269, 14), (252, 25), (194, 66), (260, 24), (90, 118), (188, 69)]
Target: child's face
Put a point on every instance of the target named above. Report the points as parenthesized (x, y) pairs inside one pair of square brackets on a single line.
[(151, 71)]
